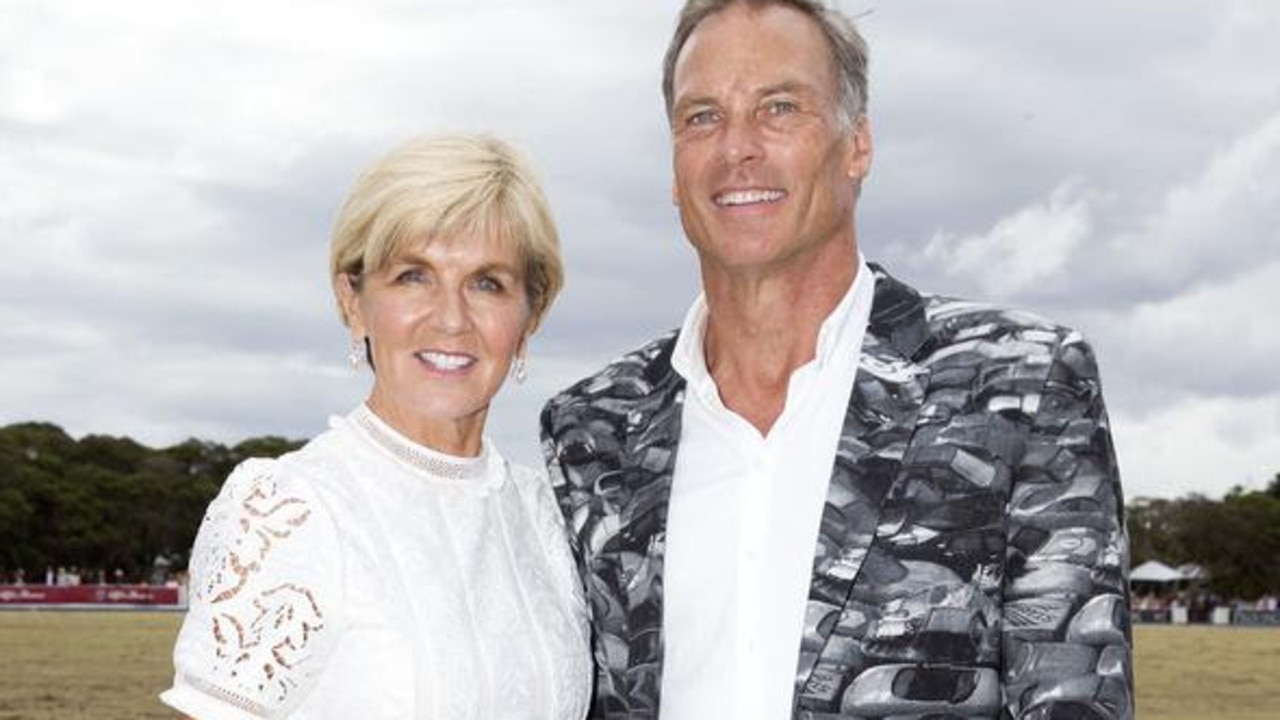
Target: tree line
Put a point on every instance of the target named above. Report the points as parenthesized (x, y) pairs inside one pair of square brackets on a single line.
[(1235, 540), (102, 503), (105, 503)]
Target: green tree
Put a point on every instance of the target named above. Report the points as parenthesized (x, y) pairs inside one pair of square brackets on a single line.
[(105, 502)]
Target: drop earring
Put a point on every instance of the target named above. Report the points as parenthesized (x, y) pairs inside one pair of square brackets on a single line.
[(355, 355), (519, 371)]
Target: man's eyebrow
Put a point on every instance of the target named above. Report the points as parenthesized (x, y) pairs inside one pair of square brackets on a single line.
[(778, 88), (784, 87), (694, 101)]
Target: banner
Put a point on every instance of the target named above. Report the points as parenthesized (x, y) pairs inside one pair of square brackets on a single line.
[(88, 595), (1257, 617)]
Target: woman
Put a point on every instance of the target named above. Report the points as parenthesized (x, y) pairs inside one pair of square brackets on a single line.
[(397, 566)]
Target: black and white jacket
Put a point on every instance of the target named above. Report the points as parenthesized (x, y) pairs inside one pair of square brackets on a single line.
[(971, 561)]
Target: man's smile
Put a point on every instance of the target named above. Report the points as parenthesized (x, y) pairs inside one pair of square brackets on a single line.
[(752, 196)]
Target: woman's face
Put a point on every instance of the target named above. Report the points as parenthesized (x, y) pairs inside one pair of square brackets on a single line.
[(444, 320)]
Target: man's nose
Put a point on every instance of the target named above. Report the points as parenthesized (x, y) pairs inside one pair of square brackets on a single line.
[(740, 140)]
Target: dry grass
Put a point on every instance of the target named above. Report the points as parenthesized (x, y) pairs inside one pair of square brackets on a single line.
[(85, 665), (111, 665), (1201, 672)]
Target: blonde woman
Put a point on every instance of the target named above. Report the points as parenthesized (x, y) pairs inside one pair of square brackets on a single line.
[(398, 566)]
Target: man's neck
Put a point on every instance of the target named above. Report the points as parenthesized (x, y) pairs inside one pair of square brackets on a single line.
[(761, 327)]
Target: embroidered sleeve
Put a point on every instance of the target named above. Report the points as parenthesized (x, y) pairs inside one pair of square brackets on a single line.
[(1066, 631), (264, 593)]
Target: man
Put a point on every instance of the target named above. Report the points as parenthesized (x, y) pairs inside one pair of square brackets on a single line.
[(830, 496)]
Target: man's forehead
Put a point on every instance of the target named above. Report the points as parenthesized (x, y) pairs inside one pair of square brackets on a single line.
[(778, 45)]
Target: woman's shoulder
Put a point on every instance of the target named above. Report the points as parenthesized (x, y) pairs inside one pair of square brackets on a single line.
[(265, 593), (532, 482), (534, 488), (321, 470)]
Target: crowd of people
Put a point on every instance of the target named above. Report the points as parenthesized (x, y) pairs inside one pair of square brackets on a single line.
[(72, 576), (1193, 605)]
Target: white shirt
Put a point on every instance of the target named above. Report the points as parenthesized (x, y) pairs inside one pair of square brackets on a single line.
[(369, 577), (743, 524)]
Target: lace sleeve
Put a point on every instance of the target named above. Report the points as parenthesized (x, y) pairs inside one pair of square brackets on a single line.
[(265, 590)]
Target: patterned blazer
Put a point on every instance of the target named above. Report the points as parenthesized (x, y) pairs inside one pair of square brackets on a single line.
[(971, 561)]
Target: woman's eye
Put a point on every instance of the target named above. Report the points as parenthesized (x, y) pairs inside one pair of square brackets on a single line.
[(488, 284), (410, 276)]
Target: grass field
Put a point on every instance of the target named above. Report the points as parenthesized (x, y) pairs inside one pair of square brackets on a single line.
[(111, 665), (85, 665)]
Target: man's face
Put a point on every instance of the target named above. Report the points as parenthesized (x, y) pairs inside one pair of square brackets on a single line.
[(765, 173)]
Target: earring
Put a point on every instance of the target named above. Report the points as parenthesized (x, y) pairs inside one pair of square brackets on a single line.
[(355, 355), (518, 370)]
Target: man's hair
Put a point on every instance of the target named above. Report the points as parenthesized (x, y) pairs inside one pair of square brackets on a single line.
[(848, 49)]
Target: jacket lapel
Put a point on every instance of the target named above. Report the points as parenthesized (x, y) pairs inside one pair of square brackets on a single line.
[(637, 550), (887, 393)]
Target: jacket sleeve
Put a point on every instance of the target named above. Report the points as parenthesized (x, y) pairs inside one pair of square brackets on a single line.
[(564, 495), (1066, 634)]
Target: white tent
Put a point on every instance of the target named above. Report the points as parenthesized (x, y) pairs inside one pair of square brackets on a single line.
[(1156, 572)]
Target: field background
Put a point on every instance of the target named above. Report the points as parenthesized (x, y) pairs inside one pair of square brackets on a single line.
[(111, 665)]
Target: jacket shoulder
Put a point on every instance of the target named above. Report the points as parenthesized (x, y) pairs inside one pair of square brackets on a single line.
[(994, 331), (634, 376)]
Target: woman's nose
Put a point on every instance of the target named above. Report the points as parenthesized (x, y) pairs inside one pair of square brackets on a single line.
[(450, 313)]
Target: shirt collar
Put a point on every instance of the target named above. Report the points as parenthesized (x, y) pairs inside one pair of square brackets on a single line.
[(689, 359), (838, 330)]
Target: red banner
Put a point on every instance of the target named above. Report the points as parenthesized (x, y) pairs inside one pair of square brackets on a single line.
[(88, 595)]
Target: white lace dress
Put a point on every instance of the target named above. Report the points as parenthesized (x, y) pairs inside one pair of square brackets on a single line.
[(368, 577)]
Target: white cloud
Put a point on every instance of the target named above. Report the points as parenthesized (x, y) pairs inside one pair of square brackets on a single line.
[(170, 170), (1204, 445), (1213, 339), (1022, 250), (1221, 221)]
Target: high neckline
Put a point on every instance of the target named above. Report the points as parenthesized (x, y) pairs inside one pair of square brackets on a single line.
[(417, 456)]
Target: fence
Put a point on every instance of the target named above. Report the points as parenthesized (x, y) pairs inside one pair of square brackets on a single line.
[(55, 596)]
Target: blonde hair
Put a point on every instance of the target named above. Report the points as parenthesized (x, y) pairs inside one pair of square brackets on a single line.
[(449, 186)]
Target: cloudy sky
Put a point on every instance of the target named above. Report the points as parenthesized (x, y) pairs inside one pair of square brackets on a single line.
[(169, 172)]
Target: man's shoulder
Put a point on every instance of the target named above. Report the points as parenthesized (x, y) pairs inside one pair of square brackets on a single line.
[(634, 375), (925, 326), (991, 327)]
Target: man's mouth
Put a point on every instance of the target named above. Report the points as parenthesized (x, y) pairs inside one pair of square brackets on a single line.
[(446, 362), (736, 198)]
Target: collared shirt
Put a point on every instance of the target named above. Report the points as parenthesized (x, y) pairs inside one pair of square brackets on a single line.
[(743, 524)]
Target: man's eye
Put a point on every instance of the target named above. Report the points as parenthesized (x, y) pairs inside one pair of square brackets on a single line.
[(782, 107), (700, 118)]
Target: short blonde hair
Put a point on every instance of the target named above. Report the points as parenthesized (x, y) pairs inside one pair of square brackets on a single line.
[(449, 186)]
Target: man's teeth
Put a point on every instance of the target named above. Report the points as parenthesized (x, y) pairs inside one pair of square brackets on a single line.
[(446, 361), (748, 197)]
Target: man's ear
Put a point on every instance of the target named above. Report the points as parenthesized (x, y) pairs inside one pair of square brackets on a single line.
[(858, 163)]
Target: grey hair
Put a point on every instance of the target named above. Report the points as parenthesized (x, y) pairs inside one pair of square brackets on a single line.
[(848, 48)]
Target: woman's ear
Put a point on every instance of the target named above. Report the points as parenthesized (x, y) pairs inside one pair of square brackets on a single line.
[(344, 286)]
